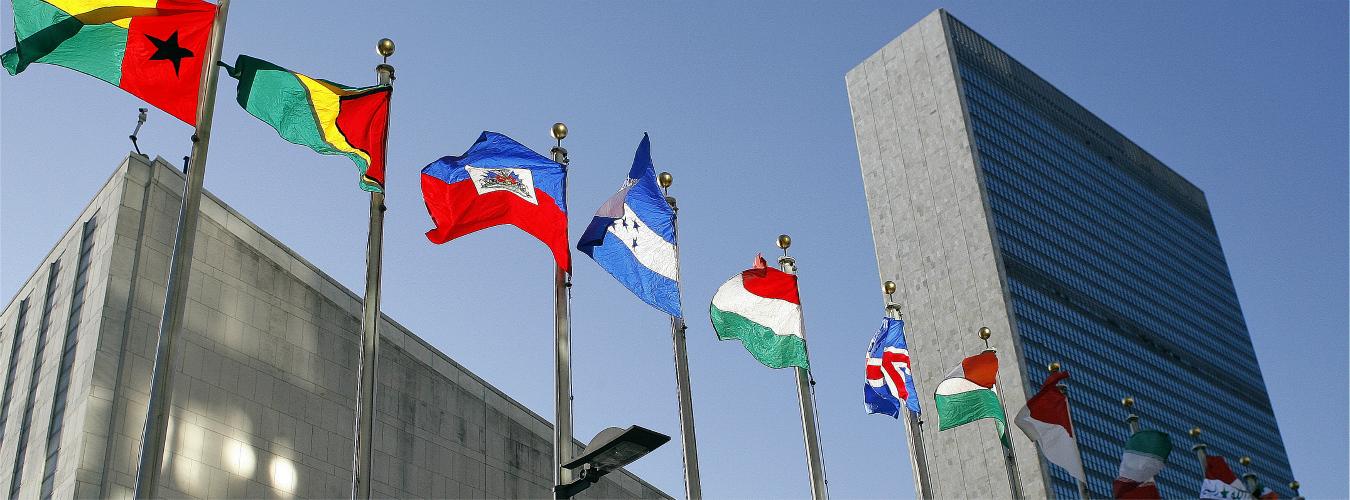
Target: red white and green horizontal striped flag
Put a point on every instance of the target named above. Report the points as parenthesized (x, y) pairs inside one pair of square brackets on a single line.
[(151, 48), (967, 394), (1145, 455), (761, 308)]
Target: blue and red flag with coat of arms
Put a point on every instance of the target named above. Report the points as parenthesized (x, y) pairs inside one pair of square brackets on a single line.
[(888, 378), (498, 181)]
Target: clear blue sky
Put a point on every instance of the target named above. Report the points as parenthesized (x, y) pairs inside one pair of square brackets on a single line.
[(746, 105)]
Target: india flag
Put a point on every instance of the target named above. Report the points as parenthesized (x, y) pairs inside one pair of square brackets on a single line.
[(967, 394), (760, 307), (1145, 454)]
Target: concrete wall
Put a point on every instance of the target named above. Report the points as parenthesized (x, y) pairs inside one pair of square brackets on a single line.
[(932, 233), (264, 390)]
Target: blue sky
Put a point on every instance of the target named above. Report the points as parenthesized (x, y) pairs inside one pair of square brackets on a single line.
[(745, 104)]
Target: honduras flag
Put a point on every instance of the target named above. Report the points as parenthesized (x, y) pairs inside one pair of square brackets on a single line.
[(888, 377), (633, 237)]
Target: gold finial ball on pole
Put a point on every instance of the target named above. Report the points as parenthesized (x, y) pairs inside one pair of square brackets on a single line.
[(1245, 461), (1293, 485), (784, 241), (1128, 401), (888, 287), (985, 333), (385, 47), (664, 178), (559, 131), (1054, 367), (1194, 432)]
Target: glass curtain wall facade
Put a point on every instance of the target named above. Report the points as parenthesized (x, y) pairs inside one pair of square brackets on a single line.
[(1113, 268)]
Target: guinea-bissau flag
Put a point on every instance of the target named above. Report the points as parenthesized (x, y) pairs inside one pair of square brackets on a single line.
[(152, 49), (330, 118)]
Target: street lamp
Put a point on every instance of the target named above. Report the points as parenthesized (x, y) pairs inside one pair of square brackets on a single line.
[(610, 449)]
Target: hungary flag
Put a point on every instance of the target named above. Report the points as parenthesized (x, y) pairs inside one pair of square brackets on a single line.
[(1145, 454), (152, 49), (330, 118), (760, 307), (1220, 481), (967, 394)]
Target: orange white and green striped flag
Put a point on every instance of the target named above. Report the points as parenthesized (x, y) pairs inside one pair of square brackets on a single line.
[(330, 118), (152, 49), (967, 394)]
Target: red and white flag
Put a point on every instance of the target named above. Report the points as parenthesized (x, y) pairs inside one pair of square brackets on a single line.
[(1220, 481), (1045, 420)]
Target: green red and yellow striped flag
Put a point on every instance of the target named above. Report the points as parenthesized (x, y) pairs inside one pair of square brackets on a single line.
[(150, 48), (330, 118)]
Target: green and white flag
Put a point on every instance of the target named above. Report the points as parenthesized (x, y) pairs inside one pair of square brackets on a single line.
[(761, 308), (967, 394), (1145, 455)]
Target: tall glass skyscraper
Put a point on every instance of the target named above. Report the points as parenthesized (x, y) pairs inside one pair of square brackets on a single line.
[(998, 201)]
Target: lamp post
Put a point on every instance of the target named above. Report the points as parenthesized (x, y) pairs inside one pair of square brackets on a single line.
[(610, 449)]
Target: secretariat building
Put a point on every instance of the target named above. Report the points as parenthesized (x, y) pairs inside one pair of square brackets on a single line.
[(265, 390), (996, 200)]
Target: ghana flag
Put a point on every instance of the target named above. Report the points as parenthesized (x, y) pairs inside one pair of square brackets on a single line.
[(152, 49), (330, 118)]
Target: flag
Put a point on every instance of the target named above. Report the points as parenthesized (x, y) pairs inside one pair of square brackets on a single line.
[(967, 394), (761, 308), (330, 118), (498, 181), (1045, 420), (1145, 454), (1220, 481), (888, 378), (153, 50), (633, 237), (1264, 493)]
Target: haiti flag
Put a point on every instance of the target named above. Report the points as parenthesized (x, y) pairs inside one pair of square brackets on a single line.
[(498, 181)]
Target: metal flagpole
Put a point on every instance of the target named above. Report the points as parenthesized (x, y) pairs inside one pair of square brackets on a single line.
[(805, 396), (1293, 485), (693, 489), (1131, 420), (180, 267), (1201, 453), (1064, 389), (563, 448), (1009, 456), (918, 457), (370, 317), (1249, 478)]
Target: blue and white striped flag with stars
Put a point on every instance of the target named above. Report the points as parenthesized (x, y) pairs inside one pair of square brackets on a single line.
[(633, 237)]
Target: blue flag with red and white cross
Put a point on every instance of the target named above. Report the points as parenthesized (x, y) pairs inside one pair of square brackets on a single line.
[(888, 378), (498, 181), (633, 237)]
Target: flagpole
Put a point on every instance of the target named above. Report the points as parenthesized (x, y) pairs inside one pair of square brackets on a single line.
[(563, 448), (1249, 478), (1293, 485), (1201, 453), (363, 447), (918, 457), (1068, 407), (1009, 456), (693, 489), (1131, 420), (806, 396), (152, 451)]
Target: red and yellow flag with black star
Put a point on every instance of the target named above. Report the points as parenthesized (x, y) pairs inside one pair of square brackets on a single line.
[(151, 48)]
